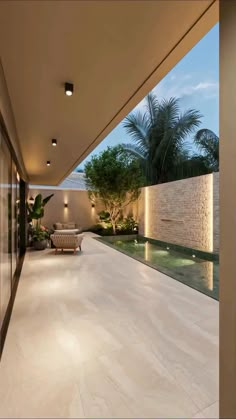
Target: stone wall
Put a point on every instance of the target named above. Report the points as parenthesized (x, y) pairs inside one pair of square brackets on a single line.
[(216, 213), (184, 212)]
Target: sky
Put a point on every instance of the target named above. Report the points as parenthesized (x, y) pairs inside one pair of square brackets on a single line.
[(194, 80)]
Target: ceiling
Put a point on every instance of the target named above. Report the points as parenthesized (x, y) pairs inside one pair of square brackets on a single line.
[(113, 51)]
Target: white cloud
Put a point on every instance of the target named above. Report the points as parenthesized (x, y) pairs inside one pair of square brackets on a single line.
[(206, 85), (180, 87)]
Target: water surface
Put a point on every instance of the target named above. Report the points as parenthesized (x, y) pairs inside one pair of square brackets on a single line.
[(197, 273)]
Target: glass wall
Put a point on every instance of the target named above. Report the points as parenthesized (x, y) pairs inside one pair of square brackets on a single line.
[(9, 224), (15, 216)]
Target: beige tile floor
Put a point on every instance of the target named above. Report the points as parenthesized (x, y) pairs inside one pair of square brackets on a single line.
[(100, 335)]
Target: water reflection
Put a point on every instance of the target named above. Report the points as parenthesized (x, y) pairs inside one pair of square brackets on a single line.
[(197, 273)]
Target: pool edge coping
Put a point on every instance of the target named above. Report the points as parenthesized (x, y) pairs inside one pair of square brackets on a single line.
[(111, 245)]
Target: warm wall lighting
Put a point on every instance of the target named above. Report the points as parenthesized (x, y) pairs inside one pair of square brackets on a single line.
[(209, 275), (147, 251), (31, 200), (146, 212), (48, 163), (211, 212), (69, 89), (54, 142), (93, 205), (65, 205)]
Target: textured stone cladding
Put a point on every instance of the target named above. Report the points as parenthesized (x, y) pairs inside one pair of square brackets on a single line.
[(184, 212), (216, 213)]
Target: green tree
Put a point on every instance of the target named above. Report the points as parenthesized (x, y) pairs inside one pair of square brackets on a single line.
[(115, 177), (208, 144), (159, 133)]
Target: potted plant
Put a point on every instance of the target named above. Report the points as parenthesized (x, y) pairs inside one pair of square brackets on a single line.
[(39, 237), (35, 213)]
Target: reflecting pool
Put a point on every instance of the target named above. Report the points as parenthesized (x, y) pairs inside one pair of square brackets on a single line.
[(200, 274)]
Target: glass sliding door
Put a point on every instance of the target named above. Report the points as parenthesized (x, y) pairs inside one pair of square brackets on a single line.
[(12, 228), (5, 227), (15, 217)]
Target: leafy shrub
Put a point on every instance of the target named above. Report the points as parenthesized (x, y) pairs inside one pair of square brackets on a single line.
[(104, 216), (125, 226), (40, 233), (101, 230)]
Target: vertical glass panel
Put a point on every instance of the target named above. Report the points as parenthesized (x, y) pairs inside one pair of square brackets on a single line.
[(5, 228), (17, 215), (14, 204)]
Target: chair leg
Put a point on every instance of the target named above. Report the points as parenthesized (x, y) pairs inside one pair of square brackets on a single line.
[(80, 247)]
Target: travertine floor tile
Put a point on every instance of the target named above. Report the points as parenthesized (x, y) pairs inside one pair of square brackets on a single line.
[(101, 335), (211, 412)]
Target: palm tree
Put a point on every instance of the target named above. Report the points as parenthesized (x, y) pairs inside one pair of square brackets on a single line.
[(159, 134), (208, 143)]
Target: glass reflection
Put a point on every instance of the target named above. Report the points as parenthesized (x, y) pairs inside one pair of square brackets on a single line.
[(9, 224), (5, 228)]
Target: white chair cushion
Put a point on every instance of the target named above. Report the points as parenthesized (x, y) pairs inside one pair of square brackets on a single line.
[(69, 241), (68, 231)]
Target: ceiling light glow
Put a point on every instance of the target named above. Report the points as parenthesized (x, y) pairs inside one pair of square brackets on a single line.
[(69, 89)]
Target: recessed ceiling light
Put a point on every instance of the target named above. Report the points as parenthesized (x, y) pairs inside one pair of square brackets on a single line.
[(48, 163), (54, 142), (69, 89)]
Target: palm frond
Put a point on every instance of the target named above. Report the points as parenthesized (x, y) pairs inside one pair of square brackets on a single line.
[(206, 140), (152, 106), (187, 123), (137, 126), (135, 150), (171, 145), (208, 143), (158, 140), (168, 113)]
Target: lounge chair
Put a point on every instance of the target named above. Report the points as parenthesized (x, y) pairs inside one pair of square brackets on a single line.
[(67, 241)]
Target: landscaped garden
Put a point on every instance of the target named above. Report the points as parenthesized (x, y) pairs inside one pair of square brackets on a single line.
[(157, 153)]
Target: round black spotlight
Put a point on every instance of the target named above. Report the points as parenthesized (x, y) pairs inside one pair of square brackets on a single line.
[(69, 89), (48, 163), (54, 142)]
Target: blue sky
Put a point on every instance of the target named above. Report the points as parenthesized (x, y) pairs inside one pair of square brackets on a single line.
[(195, 80)]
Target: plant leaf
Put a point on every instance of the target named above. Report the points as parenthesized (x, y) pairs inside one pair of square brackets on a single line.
[(45, 200)]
